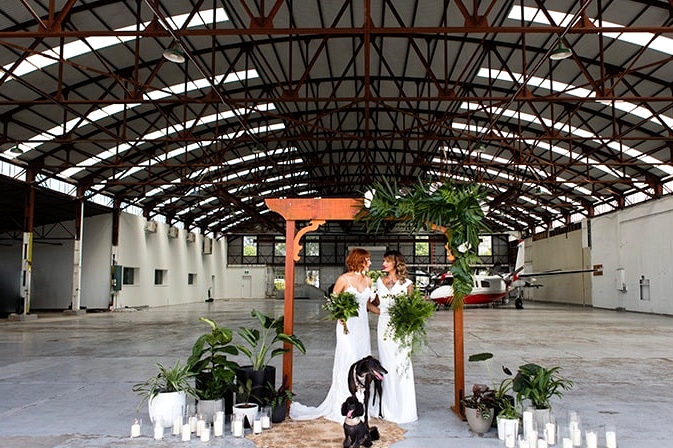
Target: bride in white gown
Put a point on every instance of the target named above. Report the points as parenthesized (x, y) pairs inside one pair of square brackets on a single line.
[(399, 391), (350, 347)]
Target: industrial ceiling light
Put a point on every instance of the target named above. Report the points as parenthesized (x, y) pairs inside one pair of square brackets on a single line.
[(16, 150), (175, 54), (480, 148), (561, 52)]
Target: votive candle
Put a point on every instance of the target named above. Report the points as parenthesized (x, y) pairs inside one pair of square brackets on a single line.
[(135, 428), (611, 439), (567, 442), (158, 430), (592, 439), (205, 432), (237, 426)]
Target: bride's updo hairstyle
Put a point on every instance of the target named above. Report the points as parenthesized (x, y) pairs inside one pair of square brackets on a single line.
[(356, 259)]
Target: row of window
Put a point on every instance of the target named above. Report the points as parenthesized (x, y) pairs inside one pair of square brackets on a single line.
[(131, 276)]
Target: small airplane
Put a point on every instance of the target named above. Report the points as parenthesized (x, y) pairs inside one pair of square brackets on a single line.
[(493, 288)]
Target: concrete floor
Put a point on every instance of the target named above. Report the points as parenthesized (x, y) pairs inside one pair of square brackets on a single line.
[(65, 381)]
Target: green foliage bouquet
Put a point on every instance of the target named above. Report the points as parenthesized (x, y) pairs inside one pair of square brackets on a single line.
[(341, 306), (408, 316)]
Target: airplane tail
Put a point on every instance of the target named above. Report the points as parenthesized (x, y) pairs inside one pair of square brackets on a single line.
[(520, 258)]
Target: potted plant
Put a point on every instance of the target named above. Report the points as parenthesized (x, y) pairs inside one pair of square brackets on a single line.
[(506, 412), (166, 393), (244, 405), (278, 400), (538, 385), (215, 373), (479, 408), (260, 346)]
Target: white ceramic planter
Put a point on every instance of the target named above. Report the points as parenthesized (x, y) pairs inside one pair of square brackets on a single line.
[(478, 425), (165, 407), (249, 410)]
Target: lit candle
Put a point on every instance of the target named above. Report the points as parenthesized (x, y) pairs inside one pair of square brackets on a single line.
[(567, 442), (592, 439), (205, 433), (192, 423), (611, 439), (199, 426), (186, 432), (237, 428), (158, 430), (135, 428)]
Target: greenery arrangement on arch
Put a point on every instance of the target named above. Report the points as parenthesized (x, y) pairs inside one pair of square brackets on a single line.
[(453, 209)]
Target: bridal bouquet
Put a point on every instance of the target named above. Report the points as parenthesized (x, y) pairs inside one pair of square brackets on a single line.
[(408, 315), (341, 306)]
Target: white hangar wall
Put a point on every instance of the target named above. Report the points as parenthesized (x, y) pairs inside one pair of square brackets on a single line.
[(633, 245), (187, 273), (563, 252)]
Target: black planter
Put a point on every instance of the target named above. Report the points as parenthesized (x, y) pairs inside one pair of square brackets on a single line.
[(279, 413), (260, 380)]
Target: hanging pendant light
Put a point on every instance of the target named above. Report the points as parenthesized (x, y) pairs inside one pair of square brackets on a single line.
[(561, 52), (175, 54)]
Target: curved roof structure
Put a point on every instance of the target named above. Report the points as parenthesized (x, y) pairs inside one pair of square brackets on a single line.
[(323, 98)]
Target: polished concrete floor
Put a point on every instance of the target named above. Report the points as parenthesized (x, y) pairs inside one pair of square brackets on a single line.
[(65, 381)]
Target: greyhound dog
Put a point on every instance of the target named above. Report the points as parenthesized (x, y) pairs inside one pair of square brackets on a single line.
[(361, 375)]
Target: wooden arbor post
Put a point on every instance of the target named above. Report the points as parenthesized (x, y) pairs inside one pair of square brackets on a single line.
[(317, 211)]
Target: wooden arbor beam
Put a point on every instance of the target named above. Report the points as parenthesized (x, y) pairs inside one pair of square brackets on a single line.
[(317, 211)]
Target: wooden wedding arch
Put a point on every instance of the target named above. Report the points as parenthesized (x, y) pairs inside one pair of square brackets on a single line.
[(317, 212)]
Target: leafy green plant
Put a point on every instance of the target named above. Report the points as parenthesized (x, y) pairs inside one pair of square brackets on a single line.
[(260, 342), (169, 379), (341, 306), (278, 397), (244, 391), (504, 403), (408, 316), (215, 373), (455, 210), (539, 384)]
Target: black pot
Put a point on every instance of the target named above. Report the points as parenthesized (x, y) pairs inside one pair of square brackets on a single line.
[(497, 408), (260, 381), (279, 412)]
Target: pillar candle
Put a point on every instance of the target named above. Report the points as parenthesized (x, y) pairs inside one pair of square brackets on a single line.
[(135, 429), (199, 426), (542, 443), (158, 430), (192, 423), (237, 426), (509, 441), (205, 433), (550, 433), (218, 426), (527, 423), (611, 439), (177, 425), (592, 439), (266, 422), (577, 437), (532, 439), (567, 442), (186, 432)]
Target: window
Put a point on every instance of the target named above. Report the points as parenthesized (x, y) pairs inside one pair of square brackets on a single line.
[(422, 248), (160, 276), (313, 277), (249, 246), (191, 279), (312, 247), (279, 247), (130, 276), (485, 249), (279, 281)]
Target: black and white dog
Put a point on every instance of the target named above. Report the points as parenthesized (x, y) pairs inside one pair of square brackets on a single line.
[(361, 376), (356, 432)]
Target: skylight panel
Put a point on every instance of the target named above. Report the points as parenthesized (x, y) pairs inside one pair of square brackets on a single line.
[(77, 48)]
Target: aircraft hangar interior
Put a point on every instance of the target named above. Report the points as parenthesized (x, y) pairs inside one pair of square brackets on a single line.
[(143, 144)]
